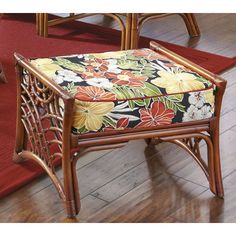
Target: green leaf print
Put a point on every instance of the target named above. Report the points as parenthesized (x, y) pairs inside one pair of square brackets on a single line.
[(130, 56), (123, 92), (71, 88), (139, 102), (128, 64), (147, 102), (172, 102), (150, 90), (83, 130), (118, 93), (107, 121), (148, 71), (143, 62), (128, 92), (131, 104), (201, 79), (69, 65)]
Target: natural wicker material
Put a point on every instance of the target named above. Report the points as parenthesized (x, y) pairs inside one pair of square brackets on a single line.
[(47, 130), (129, 23), (137, 21)]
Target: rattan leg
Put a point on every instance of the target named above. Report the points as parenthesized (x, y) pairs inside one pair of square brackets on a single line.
[(21, 136), (71, 189), (42, 24), (212, 170), (134, 32), (76, 187), (191, 24), (152, 141), (37, 22), (45, 25), (148, 141), (128, 31), (217, 163), (21, 143)]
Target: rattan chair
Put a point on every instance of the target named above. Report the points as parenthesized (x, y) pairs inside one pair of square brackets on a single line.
[(130, 24), (137, 22), (71, 105)]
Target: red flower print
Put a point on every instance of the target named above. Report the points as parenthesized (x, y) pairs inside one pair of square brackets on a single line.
[(88, 93), (127, 78), (148, 54), (156, 115), (90, 73), (98, 64), (121, 124)]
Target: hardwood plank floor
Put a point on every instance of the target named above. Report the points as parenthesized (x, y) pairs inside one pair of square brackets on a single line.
[(140, 184)]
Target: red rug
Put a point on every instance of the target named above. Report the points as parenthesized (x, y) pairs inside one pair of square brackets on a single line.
[(18, 34)]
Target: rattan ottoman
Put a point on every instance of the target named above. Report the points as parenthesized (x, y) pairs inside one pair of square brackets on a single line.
[(70, 105)]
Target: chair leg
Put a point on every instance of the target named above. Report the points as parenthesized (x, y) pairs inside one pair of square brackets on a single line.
[(191, 24), (45, 23), (134, 32), (42, 24), (37, 23)]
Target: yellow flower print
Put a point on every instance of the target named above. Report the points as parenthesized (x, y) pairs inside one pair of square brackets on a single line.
[(46, 65), (175, 82), (107, 55), (90, 114), (209, 97)]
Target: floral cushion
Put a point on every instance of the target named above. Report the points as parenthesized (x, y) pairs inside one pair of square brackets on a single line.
[(117, 91)]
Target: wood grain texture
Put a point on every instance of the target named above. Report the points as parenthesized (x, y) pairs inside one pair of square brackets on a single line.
[(151, 201), (204, 208), (139, 184)]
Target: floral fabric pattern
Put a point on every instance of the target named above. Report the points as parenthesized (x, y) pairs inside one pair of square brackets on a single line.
[(122, 90)]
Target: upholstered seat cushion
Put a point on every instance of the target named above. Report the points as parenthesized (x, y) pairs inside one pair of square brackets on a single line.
[(117, 91)]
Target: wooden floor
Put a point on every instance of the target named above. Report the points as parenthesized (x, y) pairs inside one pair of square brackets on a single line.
[(140, 184)]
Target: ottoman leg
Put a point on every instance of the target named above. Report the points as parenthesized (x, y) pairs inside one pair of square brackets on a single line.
[(71, 189), (76, 188), (148, 141), (212, 169), (21, 135), (152, 141), (217, 163), (21, 142)]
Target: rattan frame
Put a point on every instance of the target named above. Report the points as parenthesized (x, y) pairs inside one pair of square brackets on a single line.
[(38, 99), (42, 23), (137, 21), (130, 24)]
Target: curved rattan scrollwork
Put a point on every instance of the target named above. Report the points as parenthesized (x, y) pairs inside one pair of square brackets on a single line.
[(191, 143), (42, 117)]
